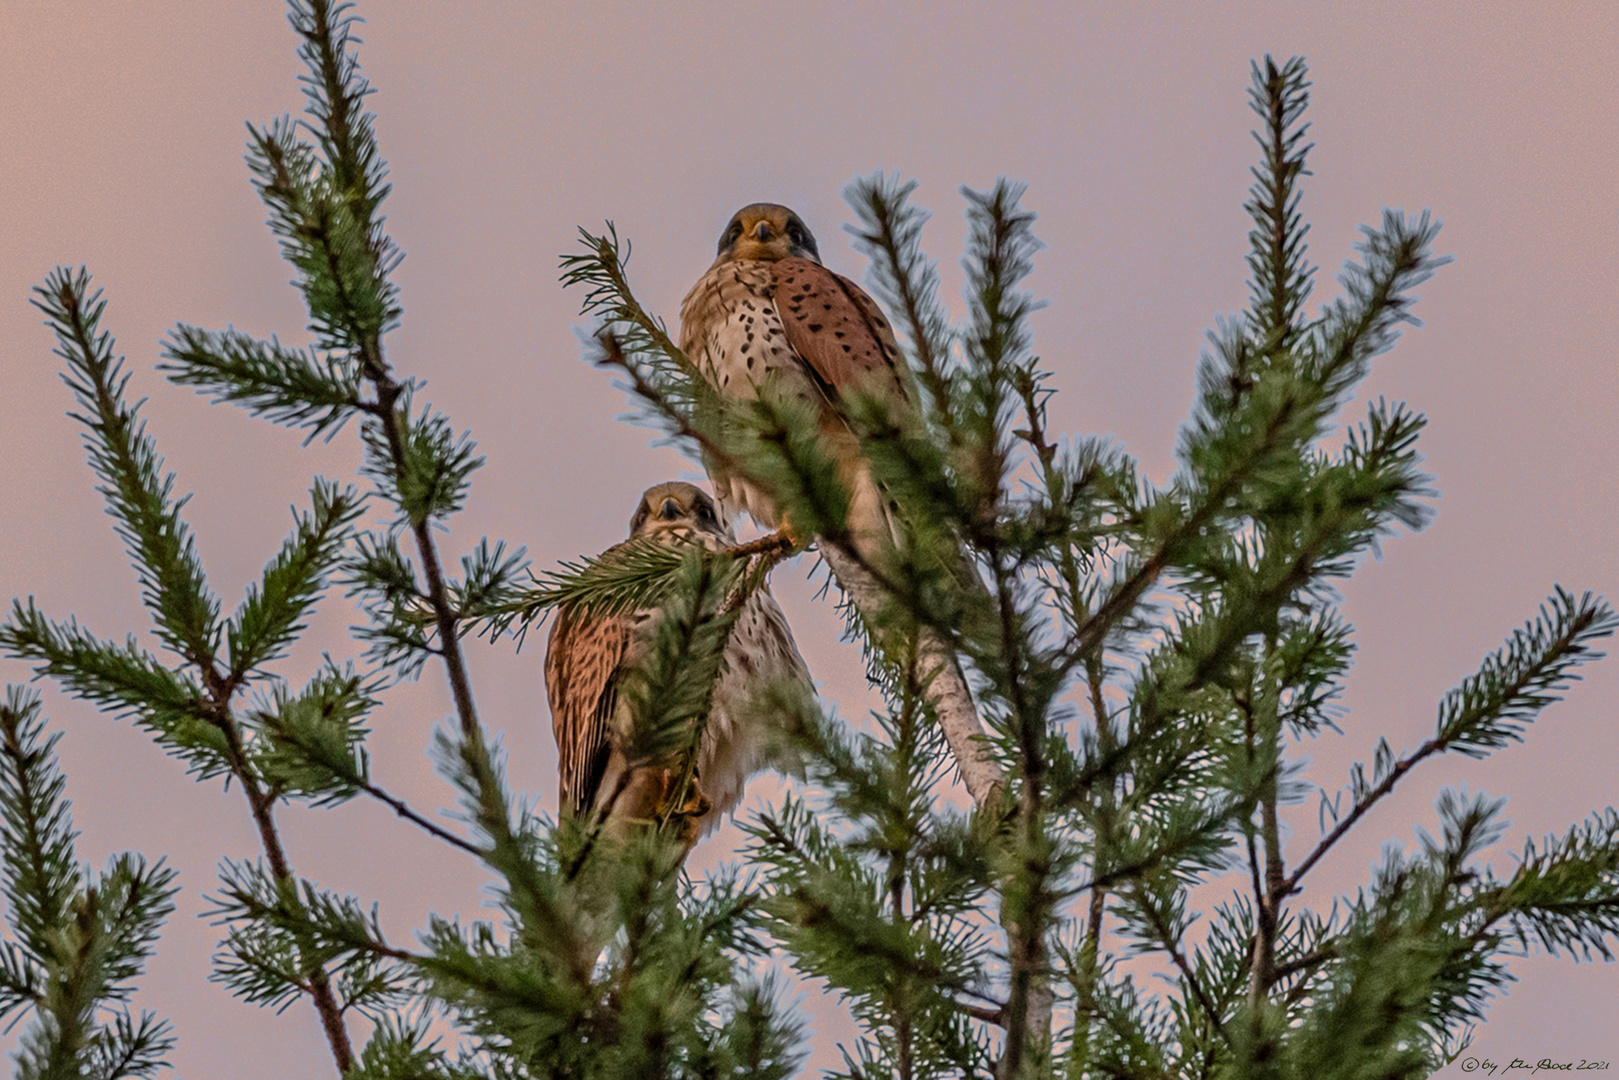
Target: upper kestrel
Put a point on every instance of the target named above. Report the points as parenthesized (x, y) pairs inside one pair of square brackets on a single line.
[(768, 315), (589, 656)]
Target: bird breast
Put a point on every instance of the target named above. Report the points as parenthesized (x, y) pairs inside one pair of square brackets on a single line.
[(730, 328)]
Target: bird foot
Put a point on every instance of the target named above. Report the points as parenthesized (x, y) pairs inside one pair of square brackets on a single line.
[(683, 818), (783, 540), (696, 804)]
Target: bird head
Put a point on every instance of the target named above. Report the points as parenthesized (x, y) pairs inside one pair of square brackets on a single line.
[(769, 232), (678, 510)]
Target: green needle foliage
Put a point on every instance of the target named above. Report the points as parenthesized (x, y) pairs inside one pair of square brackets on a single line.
[(605, 961), (77, 939), (1145, 661)]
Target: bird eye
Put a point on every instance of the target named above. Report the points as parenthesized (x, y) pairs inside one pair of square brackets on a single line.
[(705, 512), (802, 240), (732, 235)]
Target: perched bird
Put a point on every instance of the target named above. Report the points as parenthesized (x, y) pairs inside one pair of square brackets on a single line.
[(589, 656), (768, 315)]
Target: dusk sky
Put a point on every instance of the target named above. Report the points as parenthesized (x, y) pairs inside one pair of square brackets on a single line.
[(509, 125)]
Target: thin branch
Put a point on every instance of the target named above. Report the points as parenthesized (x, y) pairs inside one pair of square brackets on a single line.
[(1304, 963), (776, 545), (403, 809), (996, 1016), (262, 807), (1401, 767), (1097, 908), (1166, 939)]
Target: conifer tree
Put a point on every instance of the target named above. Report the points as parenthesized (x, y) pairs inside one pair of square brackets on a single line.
[(1146, 659)]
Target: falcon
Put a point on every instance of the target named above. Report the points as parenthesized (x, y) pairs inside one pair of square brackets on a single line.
[(589, 656), (767, 314)]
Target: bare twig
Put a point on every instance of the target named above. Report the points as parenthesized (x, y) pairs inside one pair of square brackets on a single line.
[(996, 1016)]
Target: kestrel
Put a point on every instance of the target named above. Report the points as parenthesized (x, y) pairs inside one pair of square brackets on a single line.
[(589, 656), (767, 314)]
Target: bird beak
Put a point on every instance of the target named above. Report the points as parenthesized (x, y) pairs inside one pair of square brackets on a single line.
[(761, 231), (670, 510)]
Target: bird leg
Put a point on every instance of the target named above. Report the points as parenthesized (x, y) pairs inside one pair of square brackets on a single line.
[(639, 804)]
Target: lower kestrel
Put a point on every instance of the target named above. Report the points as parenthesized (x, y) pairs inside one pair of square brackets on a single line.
[(589, 656)]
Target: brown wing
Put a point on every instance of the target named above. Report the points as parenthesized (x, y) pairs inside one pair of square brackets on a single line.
[(838, 330), (582, 664)]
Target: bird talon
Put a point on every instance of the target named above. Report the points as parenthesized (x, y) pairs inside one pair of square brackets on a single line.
[(697, 804)]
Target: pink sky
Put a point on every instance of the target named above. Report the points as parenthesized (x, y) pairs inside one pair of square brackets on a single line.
[(508, 125)]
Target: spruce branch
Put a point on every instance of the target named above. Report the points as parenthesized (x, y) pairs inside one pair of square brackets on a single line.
[(660, 396), (995, 344), (416, 459), (139, 497), (1281, 276), (1495, 705), (383, 579), (1397, 257), (131, 1047), (1168, 929), (125, 680), (1528, 673), (191, 719), (324, 201), (271, 617), (527, 860), (603, 272), (39, 872), (907, 282), (303, 972), (287, 386), (1565, 892), (325, 205), (635, 574), (489, 580), (670, 694), (82, 938), (444, 615), (308, 744), (311, 745)]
